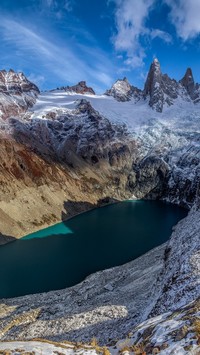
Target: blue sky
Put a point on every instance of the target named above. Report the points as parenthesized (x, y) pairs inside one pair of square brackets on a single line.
[(60, 42)]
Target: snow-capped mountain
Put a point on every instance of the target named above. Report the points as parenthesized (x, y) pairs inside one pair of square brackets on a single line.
[(122, 90), (17, 93), (160, 90)]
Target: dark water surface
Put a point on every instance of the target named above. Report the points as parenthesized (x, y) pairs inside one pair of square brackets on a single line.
[(64, 254)]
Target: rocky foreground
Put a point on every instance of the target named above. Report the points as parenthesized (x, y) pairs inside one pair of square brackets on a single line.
[(111, 304)]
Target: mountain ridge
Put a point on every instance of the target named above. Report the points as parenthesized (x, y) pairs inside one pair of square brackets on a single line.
[(159, 89)]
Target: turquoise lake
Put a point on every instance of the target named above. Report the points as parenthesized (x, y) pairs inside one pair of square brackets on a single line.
[(64, 254)]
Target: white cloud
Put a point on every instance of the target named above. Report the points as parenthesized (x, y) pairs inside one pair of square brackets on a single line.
[(185, 17), (61, 61), (56, 7), (68, 5), (165, 36), (131, 17)]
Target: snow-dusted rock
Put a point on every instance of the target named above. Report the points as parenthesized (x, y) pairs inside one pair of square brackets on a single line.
[(160, 90), (17, 93), (106, 305), (123, 91), (170, 333), (179, 282), (188, 82), (80, 88)]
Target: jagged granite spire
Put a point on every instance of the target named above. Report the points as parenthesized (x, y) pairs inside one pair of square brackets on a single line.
[(154, 76), (188, 82), (153, 86)]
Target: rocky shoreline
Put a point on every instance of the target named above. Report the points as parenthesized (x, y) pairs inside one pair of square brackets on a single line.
[(106, 305), (111, 303)]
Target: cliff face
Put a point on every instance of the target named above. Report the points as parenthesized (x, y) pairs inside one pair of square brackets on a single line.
[(34, 186)]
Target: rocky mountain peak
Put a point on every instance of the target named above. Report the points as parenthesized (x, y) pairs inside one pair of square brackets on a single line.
[(155, 65), (160, 89), (16, 83), (125, 79), (80, 88), (153, 86), (154, 77), (188, 82), (17, 93), (122, 90)]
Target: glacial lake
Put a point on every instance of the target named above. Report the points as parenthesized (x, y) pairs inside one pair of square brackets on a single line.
[(64, 254)]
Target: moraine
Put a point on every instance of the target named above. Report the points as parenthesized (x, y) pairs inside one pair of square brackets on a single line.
[(64, 254)]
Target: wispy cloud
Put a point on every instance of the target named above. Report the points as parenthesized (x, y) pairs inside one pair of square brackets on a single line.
[(184, 16), (68, 5), (130, 22), (59, 59), (58, 4), (131, 17), (36, 79), (56, 9), (165, 36)]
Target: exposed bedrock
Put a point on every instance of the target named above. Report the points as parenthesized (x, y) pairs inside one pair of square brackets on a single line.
[(147, 180), (33, 189)]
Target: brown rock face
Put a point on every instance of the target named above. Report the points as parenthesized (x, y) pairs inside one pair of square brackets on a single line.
[(37, 190), (80, 88)]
